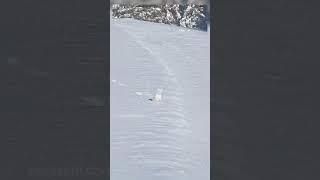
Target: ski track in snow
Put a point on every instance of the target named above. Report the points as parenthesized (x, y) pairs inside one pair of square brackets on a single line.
[(169, 139)]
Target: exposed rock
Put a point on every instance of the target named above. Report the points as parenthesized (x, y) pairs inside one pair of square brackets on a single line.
[(189, 16)]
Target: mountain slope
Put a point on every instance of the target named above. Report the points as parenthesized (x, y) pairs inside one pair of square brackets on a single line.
[(167, 139)]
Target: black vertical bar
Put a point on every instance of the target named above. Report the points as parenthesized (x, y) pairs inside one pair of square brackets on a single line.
[(267, 90), (55, 103)]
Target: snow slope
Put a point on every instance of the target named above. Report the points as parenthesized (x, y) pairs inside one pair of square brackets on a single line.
[(169, 139)]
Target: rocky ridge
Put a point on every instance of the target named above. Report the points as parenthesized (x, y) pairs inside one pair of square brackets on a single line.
[(188, 16)]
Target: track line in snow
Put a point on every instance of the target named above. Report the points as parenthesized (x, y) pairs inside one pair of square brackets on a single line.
[(153, 146), (155, 55)]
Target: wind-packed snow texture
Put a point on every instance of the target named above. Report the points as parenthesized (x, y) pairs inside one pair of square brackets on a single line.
[(167, 139)]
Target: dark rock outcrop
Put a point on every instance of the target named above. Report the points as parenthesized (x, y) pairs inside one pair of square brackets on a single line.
[(189, 16)]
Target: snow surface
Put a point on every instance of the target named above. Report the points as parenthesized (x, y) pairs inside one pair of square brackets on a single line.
[(167, 139)]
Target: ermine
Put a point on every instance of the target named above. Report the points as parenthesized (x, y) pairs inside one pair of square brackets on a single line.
[(158, 96)]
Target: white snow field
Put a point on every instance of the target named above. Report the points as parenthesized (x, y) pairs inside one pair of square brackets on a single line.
[(167, 138)]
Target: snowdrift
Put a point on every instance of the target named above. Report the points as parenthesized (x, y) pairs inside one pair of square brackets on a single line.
[(167, 138)]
